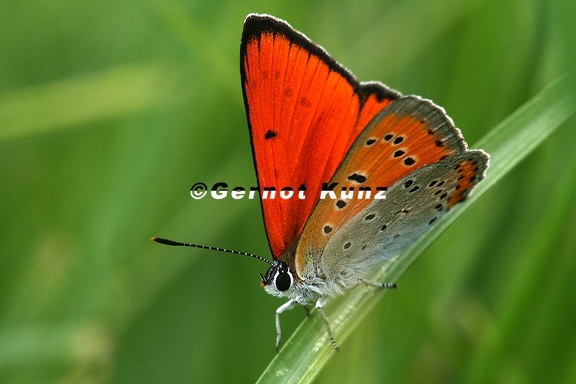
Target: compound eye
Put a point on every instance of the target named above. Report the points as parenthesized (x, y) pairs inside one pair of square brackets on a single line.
[(283, 281)]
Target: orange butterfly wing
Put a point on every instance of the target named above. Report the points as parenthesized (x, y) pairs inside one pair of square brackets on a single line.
[(304, 112)]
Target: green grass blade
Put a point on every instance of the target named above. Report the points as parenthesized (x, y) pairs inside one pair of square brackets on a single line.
[(83, 99), (308, 349)]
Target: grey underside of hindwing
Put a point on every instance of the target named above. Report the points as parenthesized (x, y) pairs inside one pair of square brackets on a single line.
[(386, 227)]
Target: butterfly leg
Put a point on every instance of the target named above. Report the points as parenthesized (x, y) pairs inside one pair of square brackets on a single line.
[(377, 284), (284, 307), (319, 304)]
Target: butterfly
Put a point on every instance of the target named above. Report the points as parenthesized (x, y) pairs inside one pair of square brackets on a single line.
[(315, 128)]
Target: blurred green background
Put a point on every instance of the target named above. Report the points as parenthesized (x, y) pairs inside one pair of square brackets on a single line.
[(111, 110)]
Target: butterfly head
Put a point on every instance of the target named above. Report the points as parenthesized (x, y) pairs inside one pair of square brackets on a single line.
[(278, 280)]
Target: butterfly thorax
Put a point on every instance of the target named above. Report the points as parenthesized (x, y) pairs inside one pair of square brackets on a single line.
[(301, 292), (283, 280)]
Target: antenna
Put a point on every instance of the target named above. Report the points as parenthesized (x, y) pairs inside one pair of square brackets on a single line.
[(173, 243)]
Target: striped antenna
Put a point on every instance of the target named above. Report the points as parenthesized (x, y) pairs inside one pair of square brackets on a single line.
[(173, 243)]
